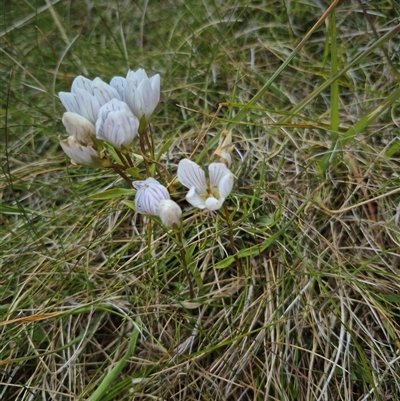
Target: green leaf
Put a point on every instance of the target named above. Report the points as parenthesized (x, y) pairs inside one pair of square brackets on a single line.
[(14, 210), (189, 251), (112, 194), (163, 149), (130, 204), (244, 253), (394, 148), (134, 172), (111, 377)]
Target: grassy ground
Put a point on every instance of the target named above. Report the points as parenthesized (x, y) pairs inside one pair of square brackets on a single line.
[(94, 302)]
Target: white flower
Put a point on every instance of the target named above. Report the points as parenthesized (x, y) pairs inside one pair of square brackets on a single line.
[(80, 154), (86, 97), (202, 194), (140, 92), (79, 127), (153, 198), (116, 124)]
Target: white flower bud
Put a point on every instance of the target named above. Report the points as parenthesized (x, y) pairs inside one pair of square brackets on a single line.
[(141, 93), (149, 195), (153, 198), (86, 97), (80, 154), (116, 124), (170, 213), (79, 127)]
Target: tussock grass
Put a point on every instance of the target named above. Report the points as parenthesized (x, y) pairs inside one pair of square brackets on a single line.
[(94, 302)]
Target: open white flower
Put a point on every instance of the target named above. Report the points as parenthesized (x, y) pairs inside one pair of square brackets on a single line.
[(116, 124), (205, 194), (153, 198), (140, 92), (80, 154), (86, 97)]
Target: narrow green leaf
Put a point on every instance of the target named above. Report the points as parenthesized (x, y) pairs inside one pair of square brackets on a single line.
[(394, 148), (335, 83), (112, 194), (14, 210), (116, 370), (130, 204)]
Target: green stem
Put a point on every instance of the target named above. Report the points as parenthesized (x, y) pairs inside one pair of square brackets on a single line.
[(184, 262), (225, 216), (144, 154)]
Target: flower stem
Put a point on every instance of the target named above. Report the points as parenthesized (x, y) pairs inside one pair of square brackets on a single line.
[(119, 170), (151, 142), (184, 262), (144, 154), (225, 216), (122, 158)]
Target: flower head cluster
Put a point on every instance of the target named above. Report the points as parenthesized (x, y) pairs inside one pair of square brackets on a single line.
[(153, 198), (99, 114), (205, 194), (97, 111)]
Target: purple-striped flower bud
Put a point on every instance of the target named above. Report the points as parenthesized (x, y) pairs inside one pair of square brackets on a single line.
[(116, 124), (153, 198)]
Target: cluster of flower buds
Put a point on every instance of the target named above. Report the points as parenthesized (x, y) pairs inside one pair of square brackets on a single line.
[(102, 116), (98, 112)]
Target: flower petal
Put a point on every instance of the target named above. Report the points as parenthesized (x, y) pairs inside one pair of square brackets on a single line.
[(80, 82), (195, 199), (104, 92), (225, 185), (146, 105), (214, 203), (118, 83), (217, 171), (191, 175), (88, 104)]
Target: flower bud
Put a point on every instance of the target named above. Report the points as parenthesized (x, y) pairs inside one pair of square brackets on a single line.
[(141, 93), (116, 124), (79, 127), (170, 213), (153, 198), (80, 154), (86, 97)]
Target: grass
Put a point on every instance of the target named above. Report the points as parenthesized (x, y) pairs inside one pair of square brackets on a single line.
[(94, 302)]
